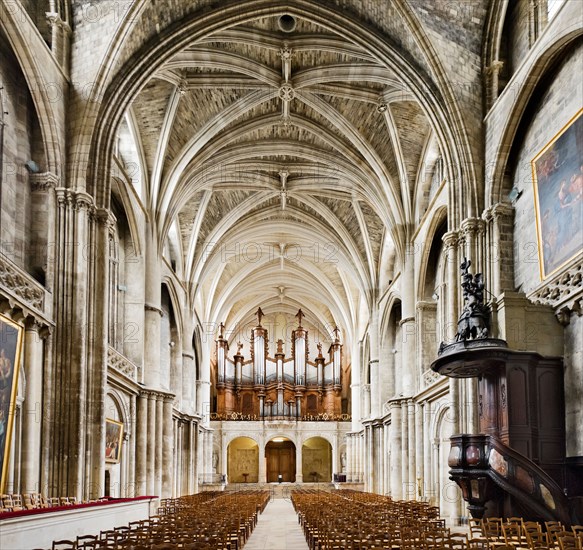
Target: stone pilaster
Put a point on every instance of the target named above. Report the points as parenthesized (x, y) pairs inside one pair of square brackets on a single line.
[(151, 438), (168, 448), (499, 230), (78, 342), (142, 445), (98, 349), (395, 450), (450, 242), (159, 451), (60, 39), (32, 409)]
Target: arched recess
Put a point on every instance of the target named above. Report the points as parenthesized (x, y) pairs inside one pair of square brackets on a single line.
[(391, 346), (170, 341), (316, 460), (430, 254), (20, 32), (534, 72), (438, 100), (243, 460), (117, 465), (447, 493), (280, 460), (24, 191)]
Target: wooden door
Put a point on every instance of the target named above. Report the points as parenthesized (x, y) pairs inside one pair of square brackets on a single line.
[(280, 459)]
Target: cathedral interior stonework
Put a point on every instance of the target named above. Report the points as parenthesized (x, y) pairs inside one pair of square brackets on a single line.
[(329, 244)]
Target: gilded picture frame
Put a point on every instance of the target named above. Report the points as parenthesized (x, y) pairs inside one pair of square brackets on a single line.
[(557, 172), (11, 336), (113, 439)]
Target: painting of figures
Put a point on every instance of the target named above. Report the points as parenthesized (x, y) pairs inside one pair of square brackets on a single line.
[(113, 435), (558, 185), (10, 346)]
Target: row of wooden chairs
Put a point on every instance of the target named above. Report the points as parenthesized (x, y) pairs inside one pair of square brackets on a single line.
[(33, 501), (358, 521), (205, 521), (515, 532)]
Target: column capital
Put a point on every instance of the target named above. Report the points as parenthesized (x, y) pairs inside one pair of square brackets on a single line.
[(472, 225), (502, 209), (150, 307), (44, 181), (495, 67), (450, 239), (406, 320)]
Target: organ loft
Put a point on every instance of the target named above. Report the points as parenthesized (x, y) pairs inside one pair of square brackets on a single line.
[(263, 385)]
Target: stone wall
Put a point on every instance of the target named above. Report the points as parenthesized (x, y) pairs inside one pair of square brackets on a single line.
[(559, 102), (557, 105), (518, 39), (243, 458), (316, 460), (15, 235), (574, 386)]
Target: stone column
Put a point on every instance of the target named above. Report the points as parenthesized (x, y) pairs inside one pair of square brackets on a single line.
[(419, 448), (32, 409), (412, 447), (192, 478), (176, 486), (262, 464), (503, 220), (408, 326), (159, 450), (435, 480), (188, 382), (130, 485), (427, 483), (168, 449), (208, 455), (355, 389), (450, 242), (102, 226), (151, 438), (373, 365), (60, 39), (224, 456), (299, 458), (153, 312), (492, 79), (396, 452), (366, 400), (404, 449), (199, 456), (336, 466), (349, 459), (198, 398), (142, 445)]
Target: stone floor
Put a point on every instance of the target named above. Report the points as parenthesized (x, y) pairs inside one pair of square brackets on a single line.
[(277, 529)]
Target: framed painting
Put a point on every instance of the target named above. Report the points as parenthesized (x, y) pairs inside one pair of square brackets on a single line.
[(558, 197), (11, 335), (113, 437)]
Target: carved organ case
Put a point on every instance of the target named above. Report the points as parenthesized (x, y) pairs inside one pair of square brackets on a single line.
[(264, 387)]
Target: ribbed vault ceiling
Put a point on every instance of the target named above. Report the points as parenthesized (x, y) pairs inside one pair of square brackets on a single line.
[(285, 168)]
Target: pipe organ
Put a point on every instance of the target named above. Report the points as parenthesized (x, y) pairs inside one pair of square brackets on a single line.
[(264, 387)]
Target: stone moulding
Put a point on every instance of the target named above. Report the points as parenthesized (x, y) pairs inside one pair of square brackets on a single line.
[(121, 363), (21, 285), (563, 291)]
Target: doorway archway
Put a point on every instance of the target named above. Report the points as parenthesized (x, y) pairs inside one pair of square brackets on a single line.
[(280, 459), (243, 460), (316, 460)]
